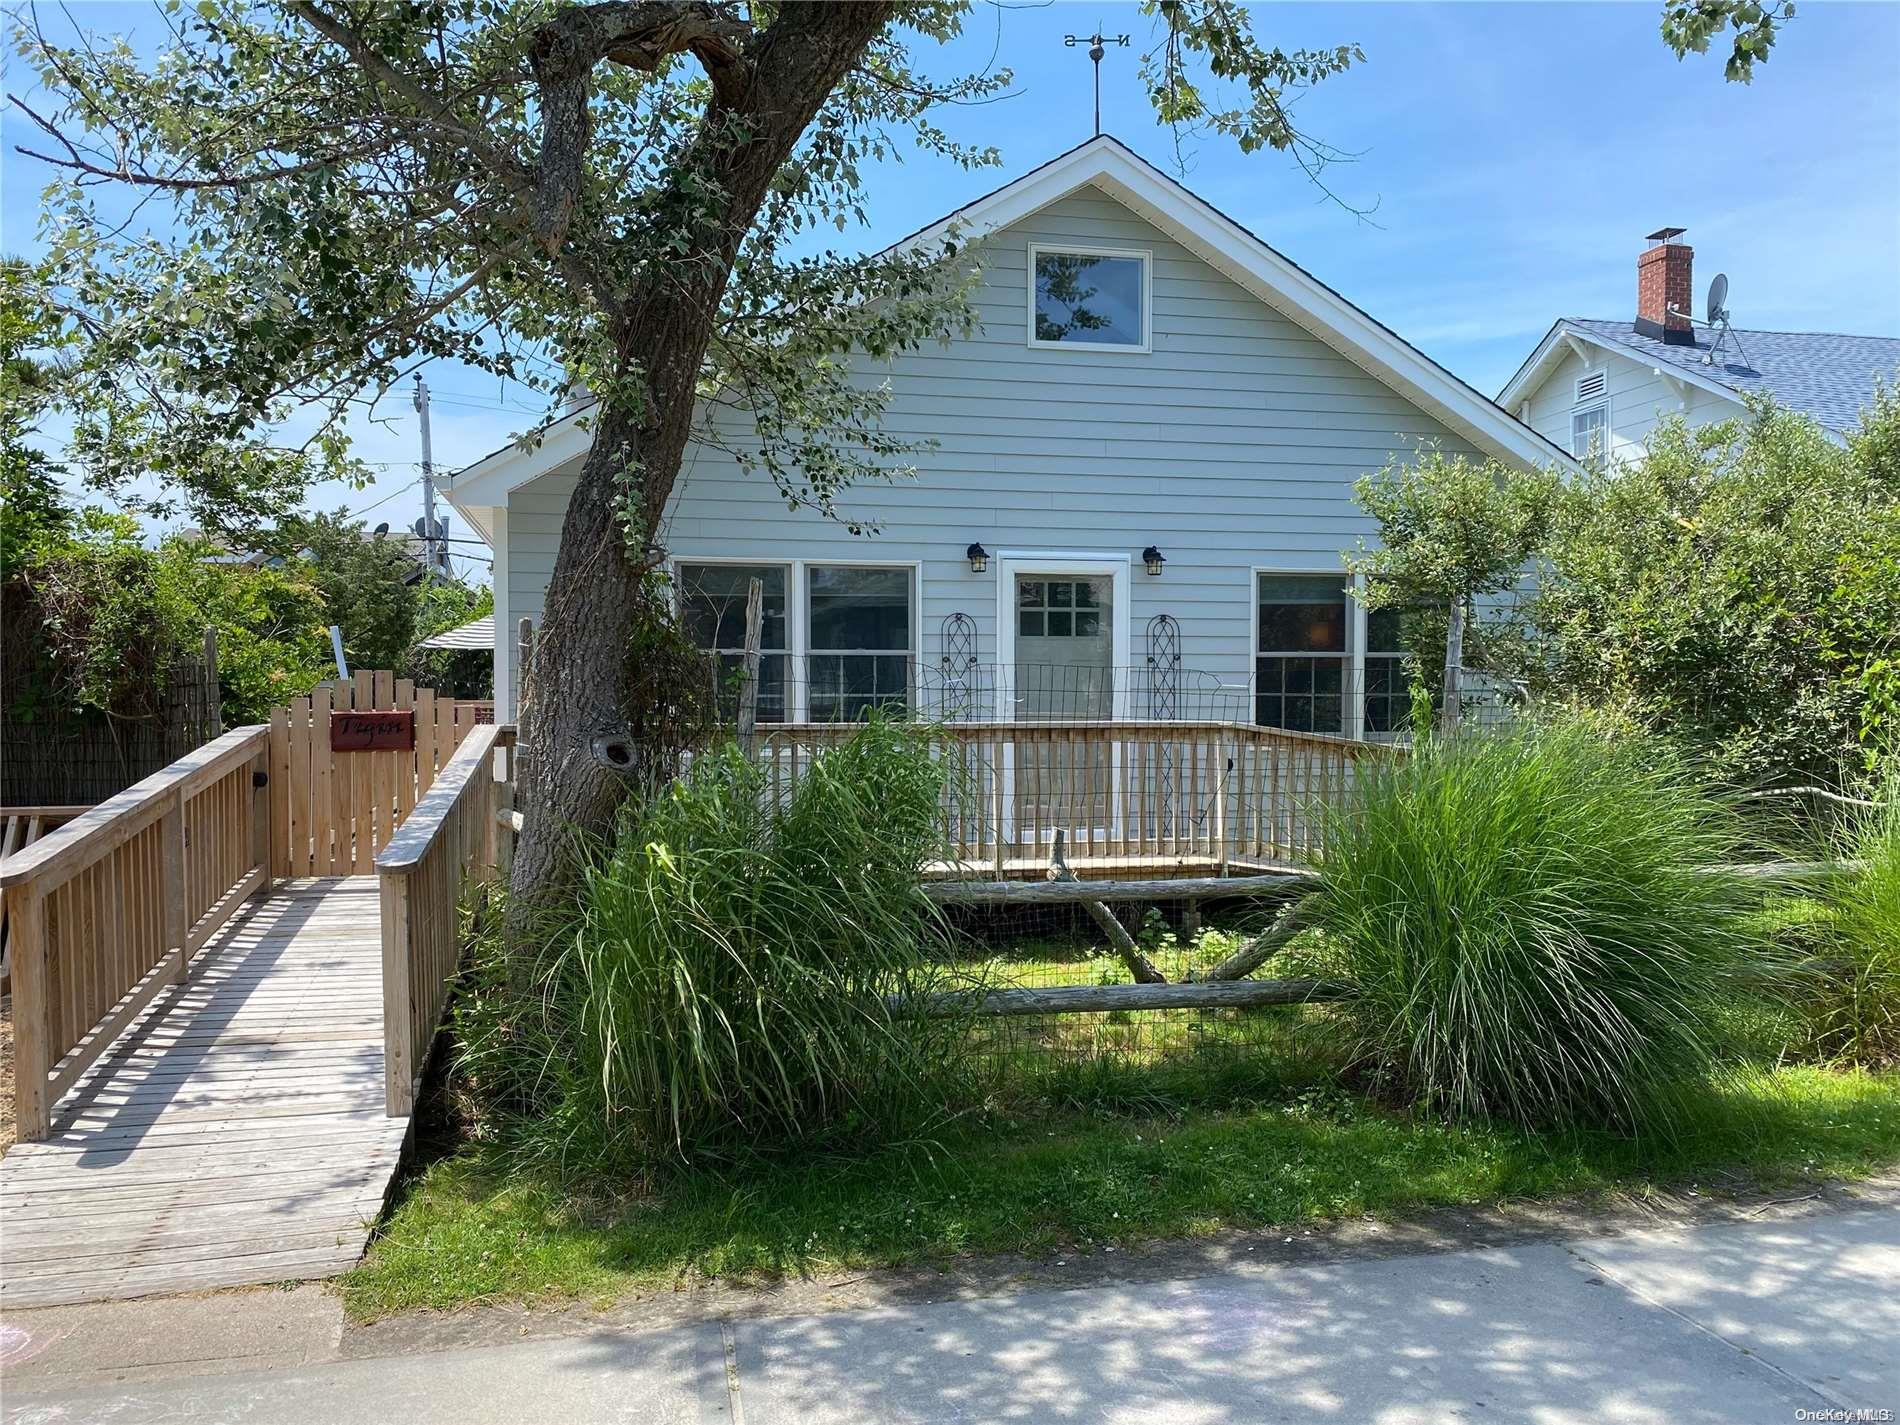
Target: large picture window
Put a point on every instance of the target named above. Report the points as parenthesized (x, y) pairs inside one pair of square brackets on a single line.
[(1088, 298), (1301, 660), (712, 604), (860, 641)]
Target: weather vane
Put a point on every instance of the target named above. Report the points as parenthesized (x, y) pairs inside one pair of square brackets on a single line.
[(1095, 43)]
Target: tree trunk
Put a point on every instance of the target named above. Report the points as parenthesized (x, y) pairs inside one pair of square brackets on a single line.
[(577, 689), (600, 590), (1453, 708)]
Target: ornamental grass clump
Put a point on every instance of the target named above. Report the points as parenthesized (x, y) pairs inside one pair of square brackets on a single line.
[(1529, 924), (723, 989), (1852, 1006)]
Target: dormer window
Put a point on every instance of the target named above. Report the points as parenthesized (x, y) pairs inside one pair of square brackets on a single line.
[(1090, 297)]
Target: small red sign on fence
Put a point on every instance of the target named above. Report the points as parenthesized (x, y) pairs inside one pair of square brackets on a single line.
[(382, 730)]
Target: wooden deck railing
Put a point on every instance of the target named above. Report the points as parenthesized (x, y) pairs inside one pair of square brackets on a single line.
[(1128, 795), (110, 908), (20, 827), (445, 840)]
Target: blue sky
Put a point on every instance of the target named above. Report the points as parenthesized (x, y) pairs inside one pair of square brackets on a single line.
[(1516, 155)]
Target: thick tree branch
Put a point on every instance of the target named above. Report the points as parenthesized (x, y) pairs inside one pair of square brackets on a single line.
[(513, 175), (638, 35)]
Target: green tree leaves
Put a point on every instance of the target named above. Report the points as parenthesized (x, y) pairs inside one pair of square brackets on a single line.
[(1450, 528), (1740, 586), (1689, 25)]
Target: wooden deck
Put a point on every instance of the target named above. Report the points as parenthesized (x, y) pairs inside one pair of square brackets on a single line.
[(236, 1133)]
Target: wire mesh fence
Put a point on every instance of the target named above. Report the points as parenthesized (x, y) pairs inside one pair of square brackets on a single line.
[(1322, 695), (1144, 769), (1127, 797)]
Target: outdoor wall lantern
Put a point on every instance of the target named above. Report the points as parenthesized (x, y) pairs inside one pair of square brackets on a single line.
[(1154, 559), (979, 558)]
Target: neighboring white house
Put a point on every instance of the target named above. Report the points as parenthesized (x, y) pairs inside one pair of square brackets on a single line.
[(1143, 489), (1599, 388)]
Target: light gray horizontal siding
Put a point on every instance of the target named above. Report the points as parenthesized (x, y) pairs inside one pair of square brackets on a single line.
[(1639, 402), (1234, 443)]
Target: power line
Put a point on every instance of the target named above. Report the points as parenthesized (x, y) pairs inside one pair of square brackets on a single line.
[(352, 514)]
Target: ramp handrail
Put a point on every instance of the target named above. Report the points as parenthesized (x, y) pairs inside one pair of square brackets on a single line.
[(108, 909), (449, 834)]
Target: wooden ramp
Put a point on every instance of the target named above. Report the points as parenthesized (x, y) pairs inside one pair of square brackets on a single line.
[(236, 1132)]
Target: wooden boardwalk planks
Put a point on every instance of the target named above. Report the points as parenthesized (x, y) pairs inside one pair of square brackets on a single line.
[(235, 1134)]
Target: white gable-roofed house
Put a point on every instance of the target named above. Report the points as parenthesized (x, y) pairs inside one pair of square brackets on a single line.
[(1147, 379), (1600, 387)]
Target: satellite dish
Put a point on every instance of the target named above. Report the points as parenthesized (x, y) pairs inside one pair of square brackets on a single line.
[(421, 529), (382, 529), (1718, 298)]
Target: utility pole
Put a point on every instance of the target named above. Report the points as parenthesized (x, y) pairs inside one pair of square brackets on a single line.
[(428, 480)]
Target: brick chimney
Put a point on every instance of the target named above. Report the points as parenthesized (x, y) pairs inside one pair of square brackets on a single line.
[(1663, 294)]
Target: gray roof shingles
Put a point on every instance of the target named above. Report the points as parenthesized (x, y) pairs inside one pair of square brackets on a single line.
[(1823, 374)]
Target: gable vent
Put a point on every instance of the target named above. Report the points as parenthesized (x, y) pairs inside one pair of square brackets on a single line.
[(1590, 387)]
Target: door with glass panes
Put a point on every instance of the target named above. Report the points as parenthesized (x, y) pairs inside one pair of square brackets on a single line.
[(1064, 672)]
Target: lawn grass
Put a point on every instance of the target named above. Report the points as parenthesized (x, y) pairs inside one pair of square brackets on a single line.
[(1041, 1179)]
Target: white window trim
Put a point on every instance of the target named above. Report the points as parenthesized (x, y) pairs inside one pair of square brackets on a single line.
[(1355, 702), (1144, 255), (794, 711), (1601, 404), (798, 609)]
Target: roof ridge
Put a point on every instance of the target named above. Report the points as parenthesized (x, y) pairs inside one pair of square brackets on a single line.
[(1753, 331)]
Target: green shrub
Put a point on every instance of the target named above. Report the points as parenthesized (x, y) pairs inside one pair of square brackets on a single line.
[(1737, 587), (720, 990), (1524, 920), (1853, 1001)]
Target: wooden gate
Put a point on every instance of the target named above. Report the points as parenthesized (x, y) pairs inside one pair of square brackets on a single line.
[(331, 812)]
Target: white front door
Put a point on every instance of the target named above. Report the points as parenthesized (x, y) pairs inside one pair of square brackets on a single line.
[(1063, 636)]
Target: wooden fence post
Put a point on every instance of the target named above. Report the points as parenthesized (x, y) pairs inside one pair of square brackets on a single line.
[(999, 759), (26, 910), (177, 911), (398, 998), (749, 686), (260, 819), (214, 694), (1225, 753), (524, 659)]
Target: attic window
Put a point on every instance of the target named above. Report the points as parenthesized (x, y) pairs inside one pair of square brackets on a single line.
[(1592, 387), (1092, 297), (1589, 429)]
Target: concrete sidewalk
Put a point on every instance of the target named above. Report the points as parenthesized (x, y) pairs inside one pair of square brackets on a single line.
[(1740, 1322)]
